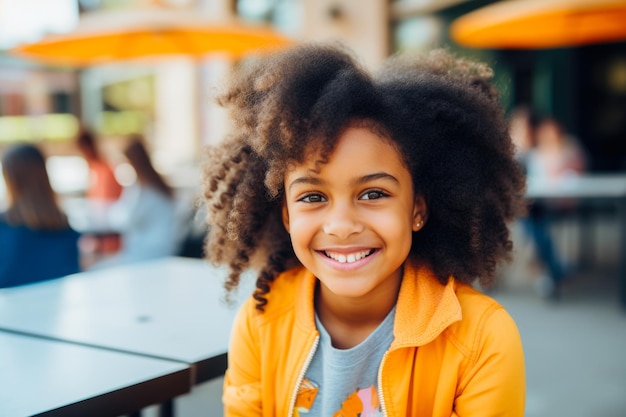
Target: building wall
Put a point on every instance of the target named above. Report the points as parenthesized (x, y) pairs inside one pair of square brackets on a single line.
[(363, 25)]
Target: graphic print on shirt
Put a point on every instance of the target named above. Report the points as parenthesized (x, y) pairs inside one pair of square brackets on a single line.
[(361, 403), (306, 397)]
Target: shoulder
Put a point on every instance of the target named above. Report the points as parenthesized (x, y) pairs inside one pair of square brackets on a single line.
[(150, 195), (289, 290), (8, 228), (480, 310), (26, 234), (69, 233), (473, 302), (158, 195), (99, 165), (286, 291), (484, 322), (288, 281)]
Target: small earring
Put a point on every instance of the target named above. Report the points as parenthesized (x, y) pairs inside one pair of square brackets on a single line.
[(419, 224)]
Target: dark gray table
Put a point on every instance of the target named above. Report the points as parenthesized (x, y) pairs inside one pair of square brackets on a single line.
[(40, 377)]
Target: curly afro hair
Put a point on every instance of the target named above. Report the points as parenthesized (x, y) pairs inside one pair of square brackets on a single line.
[(442, 113)]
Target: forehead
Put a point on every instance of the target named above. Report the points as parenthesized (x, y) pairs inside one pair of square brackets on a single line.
[(357, 147)]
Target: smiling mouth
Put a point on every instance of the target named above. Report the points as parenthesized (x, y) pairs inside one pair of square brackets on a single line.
[(350, 257)]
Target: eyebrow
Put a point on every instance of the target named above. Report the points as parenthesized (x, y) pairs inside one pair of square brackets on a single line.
[(362, 180), (305, 180), (377, 176)]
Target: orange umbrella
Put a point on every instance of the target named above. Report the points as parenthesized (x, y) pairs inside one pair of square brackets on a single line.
[(519, 24), (120, 35)]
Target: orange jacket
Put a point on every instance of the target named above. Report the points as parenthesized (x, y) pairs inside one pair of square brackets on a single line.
[(456, 352)]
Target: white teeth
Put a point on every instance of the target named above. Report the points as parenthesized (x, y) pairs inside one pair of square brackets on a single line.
[(352, 257)]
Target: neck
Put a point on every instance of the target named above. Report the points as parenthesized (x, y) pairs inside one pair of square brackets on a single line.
[(350, 321)]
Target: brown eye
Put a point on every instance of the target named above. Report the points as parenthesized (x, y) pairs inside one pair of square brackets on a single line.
[(373, 195), (312, 198)]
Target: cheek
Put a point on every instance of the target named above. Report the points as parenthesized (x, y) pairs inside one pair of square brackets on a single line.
[(302, 236), (397, 226), (301, 227), (403, 215)]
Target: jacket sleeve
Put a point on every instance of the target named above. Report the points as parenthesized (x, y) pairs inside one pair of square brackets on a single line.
[(242, 382), (494, 384)]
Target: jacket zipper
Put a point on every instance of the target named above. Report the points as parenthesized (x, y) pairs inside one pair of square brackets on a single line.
[(307, 362), (381, 397)]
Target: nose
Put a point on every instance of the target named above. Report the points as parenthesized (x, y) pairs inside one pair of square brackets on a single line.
[(342, 221)]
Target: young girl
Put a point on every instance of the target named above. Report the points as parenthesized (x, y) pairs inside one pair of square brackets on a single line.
[(368, 205)]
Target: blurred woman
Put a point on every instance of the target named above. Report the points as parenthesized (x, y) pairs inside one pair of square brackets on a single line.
[(36, 240), (145, 212)]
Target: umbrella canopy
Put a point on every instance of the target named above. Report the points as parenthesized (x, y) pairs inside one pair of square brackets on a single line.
[(520, 24), (104, 37)]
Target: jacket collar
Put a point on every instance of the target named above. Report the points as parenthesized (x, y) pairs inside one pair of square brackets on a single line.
[(425, 307)]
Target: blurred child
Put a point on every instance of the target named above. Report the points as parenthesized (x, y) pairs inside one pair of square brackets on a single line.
[(368, 206), (36, 241)]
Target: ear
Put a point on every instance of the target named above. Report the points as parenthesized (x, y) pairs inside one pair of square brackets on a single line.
[(420, 213), (285, 215)]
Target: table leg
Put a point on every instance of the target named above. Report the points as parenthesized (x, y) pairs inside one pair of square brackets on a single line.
[(586, 242), (166, 409), (622, 266)]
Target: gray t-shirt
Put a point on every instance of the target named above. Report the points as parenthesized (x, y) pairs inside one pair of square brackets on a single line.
[(345, 379)]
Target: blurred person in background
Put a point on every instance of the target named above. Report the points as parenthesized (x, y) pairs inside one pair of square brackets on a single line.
[(145, 214), (547, 154), (556, 154), (103, 186), (36, 240), (102, 191), (521, 123)]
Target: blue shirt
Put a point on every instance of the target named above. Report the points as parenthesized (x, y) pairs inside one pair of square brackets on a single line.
[(28, 255)]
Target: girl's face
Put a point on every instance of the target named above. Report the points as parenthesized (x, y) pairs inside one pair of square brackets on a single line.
[(351, 222)]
